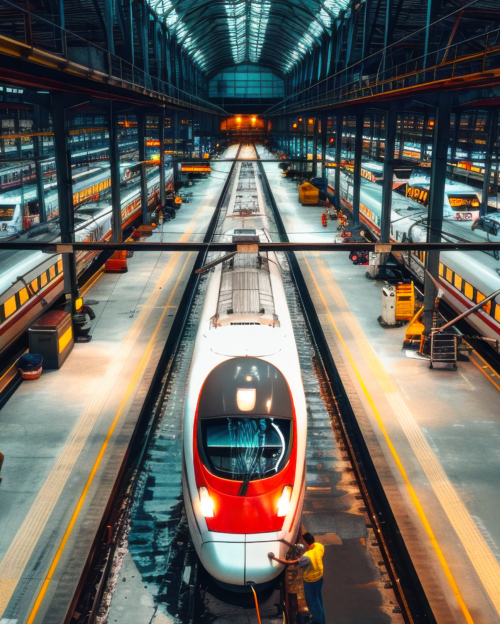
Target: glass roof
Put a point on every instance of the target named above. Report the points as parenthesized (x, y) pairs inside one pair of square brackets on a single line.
[(274, 33)]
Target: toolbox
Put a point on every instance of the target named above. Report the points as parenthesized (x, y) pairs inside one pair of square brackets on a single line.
[(52, 337)]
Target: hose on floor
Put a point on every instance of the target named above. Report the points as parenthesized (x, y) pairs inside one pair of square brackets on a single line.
[(256, 603)]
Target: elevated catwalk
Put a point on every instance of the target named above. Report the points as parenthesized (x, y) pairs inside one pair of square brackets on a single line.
[(433, 434), (64, 436)]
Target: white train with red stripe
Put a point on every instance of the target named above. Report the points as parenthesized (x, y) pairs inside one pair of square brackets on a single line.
[(466, 277), (245, 422)]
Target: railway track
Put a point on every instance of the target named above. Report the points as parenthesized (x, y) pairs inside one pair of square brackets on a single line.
[(143, 549)]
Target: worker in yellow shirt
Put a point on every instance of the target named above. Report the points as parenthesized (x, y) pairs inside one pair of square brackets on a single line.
[(311, 564)]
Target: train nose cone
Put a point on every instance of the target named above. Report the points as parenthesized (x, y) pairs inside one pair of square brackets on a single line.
[(236, 563), (258, 567), (225, 561)]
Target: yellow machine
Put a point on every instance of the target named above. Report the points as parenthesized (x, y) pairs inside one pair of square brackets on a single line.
[(413, 333), (405, 301), (308, 194)]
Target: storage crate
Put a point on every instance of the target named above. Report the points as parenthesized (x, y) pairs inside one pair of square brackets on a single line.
[(52, 337)]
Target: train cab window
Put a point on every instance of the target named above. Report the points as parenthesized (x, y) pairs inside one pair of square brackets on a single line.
[(458, 282), (468, 291), (245, 448), (449, 275), (245, 420)]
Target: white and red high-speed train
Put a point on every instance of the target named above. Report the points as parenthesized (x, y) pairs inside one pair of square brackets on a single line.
[(245, 422)]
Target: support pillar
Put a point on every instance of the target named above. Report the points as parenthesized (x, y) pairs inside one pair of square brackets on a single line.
[(372, 130), (315, 148), (490, 146), (324, 139), (390, 146), (141, 137), (339, 121), (436, 201), (161, 138), (358, 153), (40, 190), (114, 165), (65, 197), (306, 141)]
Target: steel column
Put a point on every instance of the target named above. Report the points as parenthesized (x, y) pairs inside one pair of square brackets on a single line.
[(114, 165), (358, 153), (324, 140), (436, 201), (315, 148), (339, 121), (65, 196), (109, 11), (390, 145), (161, 138), (40, 190), (141, 137), (492, 123)]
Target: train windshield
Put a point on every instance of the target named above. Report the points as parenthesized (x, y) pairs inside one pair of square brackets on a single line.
[(245, 418), (246, 449), (463, 202), (7, 212)]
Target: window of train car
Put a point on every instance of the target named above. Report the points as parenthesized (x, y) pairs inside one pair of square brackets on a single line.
[(245, 448), (468, 291)]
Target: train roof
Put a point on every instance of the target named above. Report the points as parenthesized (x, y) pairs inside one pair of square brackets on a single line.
[(451, 186)]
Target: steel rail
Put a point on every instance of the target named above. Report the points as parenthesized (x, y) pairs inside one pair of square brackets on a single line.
[(404, 579), (144, 428)]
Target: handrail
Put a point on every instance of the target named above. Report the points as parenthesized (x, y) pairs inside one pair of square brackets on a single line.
[(101, 64), (401, 74)]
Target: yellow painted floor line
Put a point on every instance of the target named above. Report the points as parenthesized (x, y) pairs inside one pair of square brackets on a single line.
[(480, 555), (136, 377), (18, 554), (411, 491)]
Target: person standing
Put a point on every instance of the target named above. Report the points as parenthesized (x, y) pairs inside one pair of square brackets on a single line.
[(311, 564)]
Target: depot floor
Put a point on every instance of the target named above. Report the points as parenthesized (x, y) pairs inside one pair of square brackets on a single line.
[(433, 434), (64, 436)]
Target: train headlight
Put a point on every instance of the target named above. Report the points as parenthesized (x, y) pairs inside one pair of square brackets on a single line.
[(206, 502), (245, 399), (285, 501)]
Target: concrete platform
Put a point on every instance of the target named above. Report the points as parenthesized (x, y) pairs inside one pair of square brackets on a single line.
[(64, 436), (433, 434)]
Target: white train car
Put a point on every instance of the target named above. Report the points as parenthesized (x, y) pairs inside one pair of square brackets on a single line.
[(245, 421), (32, 280), (466, 278)]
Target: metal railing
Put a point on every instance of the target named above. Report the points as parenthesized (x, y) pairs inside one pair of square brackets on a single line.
[(42, 41), (445, 63)]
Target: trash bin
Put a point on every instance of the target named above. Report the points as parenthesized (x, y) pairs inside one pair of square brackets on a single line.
[(30, 365), (52, 336)]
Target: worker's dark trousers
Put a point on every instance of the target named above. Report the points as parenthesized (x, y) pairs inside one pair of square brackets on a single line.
[(314, 601)]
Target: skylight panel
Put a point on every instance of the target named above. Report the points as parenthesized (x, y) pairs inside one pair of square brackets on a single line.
[(259, 18), (237, 23)]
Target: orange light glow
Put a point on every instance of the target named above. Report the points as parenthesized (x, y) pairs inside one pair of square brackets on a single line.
[(253, 119), (300, 119), (294, 126), (238, 119)]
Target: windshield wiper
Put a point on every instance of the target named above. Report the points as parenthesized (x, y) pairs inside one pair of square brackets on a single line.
[(244, 486)]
